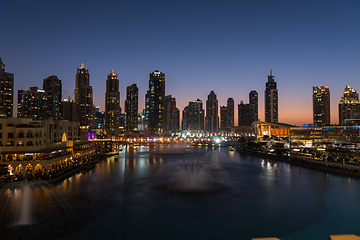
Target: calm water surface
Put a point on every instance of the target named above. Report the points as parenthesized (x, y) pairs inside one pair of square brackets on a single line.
[(272, 199)]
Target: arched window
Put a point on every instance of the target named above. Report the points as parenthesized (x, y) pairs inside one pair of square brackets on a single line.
[(29, 134), (21, 134), (29, 143), (20, 143)]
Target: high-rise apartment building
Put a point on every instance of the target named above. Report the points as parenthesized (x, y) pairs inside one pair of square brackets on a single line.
[(271, 100), (20, 102), (53, 88), (112, 104), (244, 115), (253, 102), (172, 115), (84, 109), (131, 108), (6, 91), (321, 106), (349, 106), (156, 96), (193, 116), (35, 104), (212, 117), (230, 113), (223, 117), (68, 107), (248, 112)]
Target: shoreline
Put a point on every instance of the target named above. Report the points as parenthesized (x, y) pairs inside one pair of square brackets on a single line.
[(65, 175), (332, 167)]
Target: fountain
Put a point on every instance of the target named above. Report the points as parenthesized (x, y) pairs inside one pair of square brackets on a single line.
[(193, 177), (35, 209)]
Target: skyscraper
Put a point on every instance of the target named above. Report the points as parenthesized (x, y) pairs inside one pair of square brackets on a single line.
[(212, 117), (193, 116), (223, 117), (248, 113), (20, 103), (6, 91), (244, 116), (172, 115), (349, 106), (83, 98), (156, 102), (321, 106), (230, 113), (253, 102), (131, 108), (112, 104), (271, 100), (53, 88), (68, 106), (35, 104)]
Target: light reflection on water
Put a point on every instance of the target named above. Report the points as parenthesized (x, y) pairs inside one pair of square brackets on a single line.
[(276, 199)]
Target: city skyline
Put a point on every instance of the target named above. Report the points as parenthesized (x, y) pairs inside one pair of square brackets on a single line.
[(225, 47)]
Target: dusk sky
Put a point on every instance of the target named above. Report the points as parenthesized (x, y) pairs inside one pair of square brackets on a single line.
[(225, 46)]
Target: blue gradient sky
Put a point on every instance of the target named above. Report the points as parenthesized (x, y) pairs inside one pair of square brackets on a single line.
[(225, 46)]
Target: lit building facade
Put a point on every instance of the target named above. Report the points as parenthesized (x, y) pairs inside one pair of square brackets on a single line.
[(248, 112), (230, 113), (83, 98), (193, 116), (321, 106), (6, 91), (271, 100), (223, 117), (112, 104), (35, 104), (37, 147), (244, 114), (131, 108), (172, 115), (21, 94), (349, 106), (53, 88), (156, 97), (68, 107), (254, 103), (212, 116)]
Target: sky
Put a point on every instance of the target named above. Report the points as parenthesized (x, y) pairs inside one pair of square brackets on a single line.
[(225, 46)]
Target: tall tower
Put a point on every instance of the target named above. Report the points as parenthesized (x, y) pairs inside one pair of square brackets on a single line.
[(271, 100), (35, 104), (321, 106), (212, 117), (53, 88), (20, 103), (131, 108), (84, 109), (6, 91), (223, 117), (244, 114), (349, 106), (172, 114), (112, 104), (253, 102), (230, 113), (156, 102), (193, 116)]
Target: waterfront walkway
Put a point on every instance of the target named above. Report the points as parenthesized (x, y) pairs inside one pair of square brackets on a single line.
[(330, 166)]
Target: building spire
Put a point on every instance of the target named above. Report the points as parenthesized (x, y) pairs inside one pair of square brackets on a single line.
[(270, 72)]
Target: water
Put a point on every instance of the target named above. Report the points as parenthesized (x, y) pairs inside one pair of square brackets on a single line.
[(271, 199)]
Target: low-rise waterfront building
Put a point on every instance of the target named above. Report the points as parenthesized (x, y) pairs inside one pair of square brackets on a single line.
[(40, 147)]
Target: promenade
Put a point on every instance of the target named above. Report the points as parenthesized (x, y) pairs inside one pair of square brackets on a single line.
[(330, 166)]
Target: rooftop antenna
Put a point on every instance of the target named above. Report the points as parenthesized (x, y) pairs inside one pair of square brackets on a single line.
[(270, 72)]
